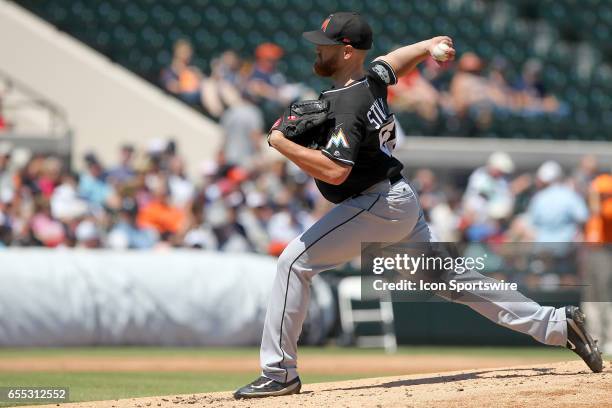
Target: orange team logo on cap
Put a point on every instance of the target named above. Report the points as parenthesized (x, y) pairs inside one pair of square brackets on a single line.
[(325, 23)]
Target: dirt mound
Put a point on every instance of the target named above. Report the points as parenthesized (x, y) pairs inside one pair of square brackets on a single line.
[(558, 385)]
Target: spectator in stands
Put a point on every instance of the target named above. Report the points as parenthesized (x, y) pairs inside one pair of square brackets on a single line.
[(489, 184), (255, 217), (475, 97), (598, 274), (29, 174), (5, 233), (523, 188), (3, 124), (599, 227), (214, 94), (499, 90), (265, 82), (87, 234), (437, 209), (126, 233), (426, 185), (227, 68), (229, 232), (584, 174), (5, 214), (532, 96), (181, 78), (93, 186), (287, 221), (488, 197), (157, 155), (243, 127), (159, 213), (468, 87), (181, 188), (44, 230), (19, 216), (65, 201), (556, 213), (50, 176), (413, 93), (222, 89), (124, 171), (199, 232), (7, 185)]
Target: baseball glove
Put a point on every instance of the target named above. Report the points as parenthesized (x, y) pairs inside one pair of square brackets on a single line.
[(300, 118)]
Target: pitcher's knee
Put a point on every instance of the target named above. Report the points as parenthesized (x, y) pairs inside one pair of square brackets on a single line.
[(291, 259), (284, 261)]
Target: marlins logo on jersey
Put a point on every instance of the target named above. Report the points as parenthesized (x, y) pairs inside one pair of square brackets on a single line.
[(337, 139)]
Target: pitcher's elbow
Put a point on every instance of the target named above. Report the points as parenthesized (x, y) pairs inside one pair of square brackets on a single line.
[(339, 176)]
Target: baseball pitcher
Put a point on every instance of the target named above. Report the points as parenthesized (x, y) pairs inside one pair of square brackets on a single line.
[(345, 140)]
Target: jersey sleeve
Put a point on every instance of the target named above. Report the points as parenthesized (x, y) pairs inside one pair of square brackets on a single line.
[(343, 140), (382, 73)]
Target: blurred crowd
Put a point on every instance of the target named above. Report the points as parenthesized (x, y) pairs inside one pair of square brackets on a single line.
[(462, 97), (244, 95), (501, 204), (467, 93), (146, 200), (4, 125), (539, 216), (471, 92), (249, 199), (495, 204), (233, 81)]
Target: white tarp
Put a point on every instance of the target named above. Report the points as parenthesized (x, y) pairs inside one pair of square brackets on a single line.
[(178, 297)]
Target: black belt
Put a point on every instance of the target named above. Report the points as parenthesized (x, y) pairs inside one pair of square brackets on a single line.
[(395, 179)]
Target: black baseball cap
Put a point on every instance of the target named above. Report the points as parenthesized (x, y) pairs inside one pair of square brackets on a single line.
[(342, 28)]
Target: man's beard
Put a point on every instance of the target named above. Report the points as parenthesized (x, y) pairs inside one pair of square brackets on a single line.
[(325, 68)]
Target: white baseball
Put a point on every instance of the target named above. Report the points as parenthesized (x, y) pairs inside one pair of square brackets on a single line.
[(440, 52)]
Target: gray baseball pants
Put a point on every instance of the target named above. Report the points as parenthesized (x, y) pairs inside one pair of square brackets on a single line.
[(383, 213)]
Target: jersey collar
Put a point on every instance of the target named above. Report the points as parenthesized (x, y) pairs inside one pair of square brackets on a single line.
[(362, 80)]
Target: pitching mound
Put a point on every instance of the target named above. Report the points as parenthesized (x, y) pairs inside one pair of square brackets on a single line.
[(557, 385)]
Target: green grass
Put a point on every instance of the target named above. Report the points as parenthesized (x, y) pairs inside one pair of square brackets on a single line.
[(91, 386), (541, 351)]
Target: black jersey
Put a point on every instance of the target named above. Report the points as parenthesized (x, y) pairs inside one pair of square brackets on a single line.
[(361, 132)]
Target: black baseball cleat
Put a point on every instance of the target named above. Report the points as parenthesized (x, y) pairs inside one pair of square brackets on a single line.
[(580, 341), (265, 387)]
